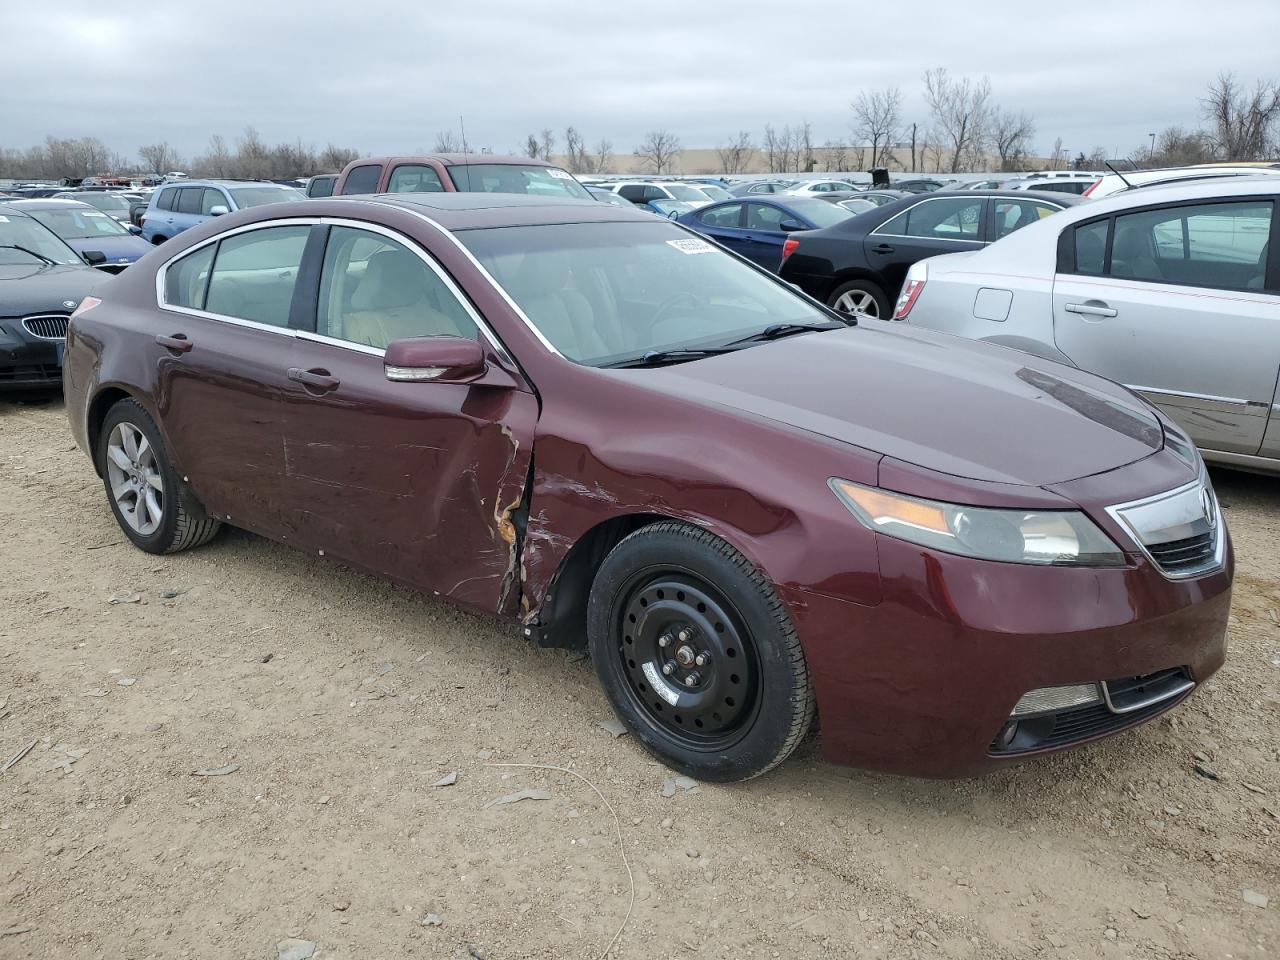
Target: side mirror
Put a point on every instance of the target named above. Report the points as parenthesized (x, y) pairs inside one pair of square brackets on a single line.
[(442, 359), (791, 225), (94, 257), (133, 228), (218, 210)]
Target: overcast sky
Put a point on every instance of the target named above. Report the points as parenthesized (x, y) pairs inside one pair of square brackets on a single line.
[(382, 76)]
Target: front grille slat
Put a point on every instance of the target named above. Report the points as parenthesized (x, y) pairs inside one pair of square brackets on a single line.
[(47, 326)]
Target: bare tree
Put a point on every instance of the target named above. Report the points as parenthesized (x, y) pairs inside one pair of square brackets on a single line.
[(805, 160), (1011, 135), (547, 143), (604, 156), (578, 157), (532, 147), (1097, 159), (447, 142), (333, 158), (159, 158), (736, 154), (777, 148), (837, 156), (217, 162), (876, 117), (658, 150), (960, 111), (1243, 121), (1176, 147), (1057, 155)]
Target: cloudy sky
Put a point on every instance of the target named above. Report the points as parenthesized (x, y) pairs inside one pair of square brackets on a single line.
[(384, 76)]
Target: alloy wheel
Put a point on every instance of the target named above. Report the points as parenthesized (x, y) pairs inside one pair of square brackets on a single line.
[(689, 664), (859, 303), (133, 474)]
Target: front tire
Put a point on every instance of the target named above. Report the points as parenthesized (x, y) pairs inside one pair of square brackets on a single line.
[(860, 298), (153, 505), (697, 654)]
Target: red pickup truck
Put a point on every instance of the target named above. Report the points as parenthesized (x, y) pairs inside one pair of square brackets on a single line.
[(450, 172)]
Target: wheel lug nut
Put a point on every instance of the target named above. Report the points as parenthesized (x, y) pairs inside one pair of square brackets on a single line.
[(684, 636), (701, 659), (668, 668), (692, 680), (664, 640)]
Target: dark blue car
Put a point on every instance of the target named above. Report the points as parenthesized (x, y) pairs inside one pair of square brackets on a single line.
[(84, 229), (756, 227)]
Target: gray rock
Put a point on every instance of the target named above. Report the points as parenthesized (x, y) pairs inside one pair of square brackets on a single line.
[(1255, 899), (293, 949)]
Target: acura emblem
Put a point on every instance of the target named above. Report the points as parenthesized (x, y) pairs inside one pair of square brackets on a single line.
[(1210, 508), (69, 304)]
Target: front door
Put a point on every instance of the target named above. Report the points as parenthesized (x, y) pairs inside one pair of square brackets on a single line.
[(420, 481), (1174, 302), (723, 224), (933, 226), (765, 235), (222, 358)]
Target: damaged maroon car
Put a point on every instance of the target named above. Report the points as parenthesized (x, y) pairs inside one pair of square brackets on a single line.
[(756, 514)]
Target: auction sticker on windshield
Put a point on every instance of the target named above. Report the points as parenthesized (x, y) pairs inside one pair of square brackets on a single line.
[(558, 173), (691, 246)]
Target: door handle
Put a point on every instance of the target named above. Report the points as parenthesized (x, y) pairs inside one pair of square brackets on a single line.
[(882, 248), (177, 343), (316, 380), (1090, 308)]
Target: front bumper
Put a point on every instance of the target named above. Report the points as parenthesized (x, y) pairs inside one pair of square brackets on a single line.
[(923, 682), (27, 362)]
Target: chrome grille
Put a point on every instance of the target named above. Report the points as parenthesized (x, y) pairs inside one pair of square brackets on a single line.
[(1180, 531), (47, 326)]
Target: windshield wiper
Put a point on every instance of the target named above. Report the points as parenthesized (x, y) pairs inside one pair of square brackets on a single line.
[(776, 330), (657, 358), (31, 253)]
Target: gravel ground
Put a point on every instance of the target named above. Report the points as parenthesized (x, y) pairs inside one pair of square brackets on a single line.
[(330, 704)]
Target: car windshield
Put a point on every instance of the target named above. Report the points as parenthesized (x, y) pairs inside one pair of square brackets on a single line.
[(104, 201), (257, 196), (821, 213), (26, 233), (73, 224), (684, 192), (672, 208), (608, 292), (516, 178)]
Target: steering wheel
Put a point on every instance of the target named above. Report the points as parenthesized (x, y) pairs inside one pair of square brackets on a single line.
[(671, 303)]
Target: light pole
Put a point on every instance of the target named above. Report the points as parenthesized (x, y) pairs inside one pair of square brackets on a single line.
[(1151, 156)]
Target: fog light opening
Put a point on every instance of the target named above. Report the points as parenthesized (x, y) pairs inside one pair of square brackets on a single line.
[(1007, 734)]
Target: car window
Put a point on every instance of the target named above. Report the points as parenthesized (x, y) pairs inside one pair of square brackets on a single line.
[(761, 216), (254, 273), (728, 215), (189, 199), (942, 219), (1011, 215), (363, 179), (320, 187), (186, 279), (165, 200), (259, 196), (1091, 247), (79, 224), (414, 178), (374, 290), (1222, 245), (212, 198), (655, 193), (633, 192)]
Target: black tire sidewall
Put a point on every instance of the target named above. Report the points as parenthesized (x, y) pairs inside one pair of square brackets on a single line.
[(880, 297), (130, 411), (780, 688)]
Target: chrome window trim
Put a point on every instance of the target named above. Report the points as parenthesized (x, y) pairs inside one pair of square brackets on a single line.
[(909, 236), (411, 244), (1117, 514)]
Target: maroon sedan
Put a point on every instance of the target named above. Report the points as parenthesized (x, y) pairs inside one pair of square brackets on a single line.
[(750, 510)]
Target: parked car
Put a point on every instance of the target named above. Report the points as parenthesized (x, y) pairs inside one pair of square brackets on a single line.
[(858, 266), (744, 506), (449, 172), (1174, 291), (918, 186), (41, 281), (713, 192), (607, 196), (641, 192), (1077, 183), (187, 203), (857, 205), (757, 227), (86, 230), (761, 186), (670, 209), (321, 185), (1130, 179), (877, 197), (806, 188), (112, 204)]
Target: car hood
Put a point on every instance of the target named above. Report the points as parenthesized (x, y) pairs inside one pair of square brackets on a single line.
[(31, 288), (950, 405), (115, 249)]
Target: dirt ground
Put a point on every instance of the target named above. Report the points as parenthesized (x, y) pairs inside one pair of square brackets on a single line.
[(341, 700)]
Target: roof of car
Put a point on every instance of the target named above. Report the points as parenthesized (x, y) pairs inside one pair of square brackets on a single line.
[(464, 211), (1194, 189), (223, 182), (455, 159), (44, 203)]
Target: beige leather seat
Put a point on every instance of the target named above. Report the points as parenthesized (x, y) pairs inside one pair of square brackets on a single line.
[(396, 299), (562, 313)]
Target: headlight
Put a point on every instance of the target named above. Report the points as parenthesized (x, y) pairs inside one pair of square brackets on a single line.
[(1013, 536)]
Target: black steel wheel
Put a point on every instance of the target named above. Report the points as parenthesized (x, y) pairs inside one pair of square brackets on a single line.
[(697, 654)]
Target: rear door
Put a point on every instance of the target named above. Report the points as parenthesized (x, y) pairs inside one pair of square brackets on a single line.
[(765, 235), (362, 179), (1176, 302), (419, 481), (1010, 215), (414, 178), (187, 212), (934, 225), (223, 354)]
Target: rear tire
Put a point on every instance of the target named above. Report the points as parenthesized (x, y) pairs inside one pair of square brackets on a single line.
[(749, 703), (153, 505), (860, 298)]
